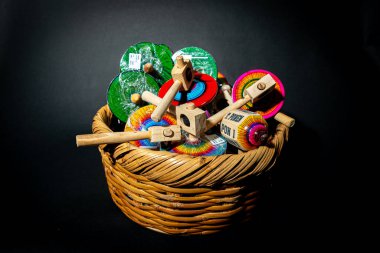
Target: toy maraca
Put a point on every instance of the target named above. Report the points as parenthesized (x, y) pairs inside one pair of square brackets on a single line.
[(268, 107), (252, 94), (141, 120), (183, 76), (193, 120), (244, 129), (155, 134)]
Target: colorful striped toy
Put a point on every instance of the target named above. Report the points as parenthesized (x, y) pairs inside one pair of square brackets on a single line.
[(267, 107), (209, 145), (244, 129), (140, 121), (202, 91)]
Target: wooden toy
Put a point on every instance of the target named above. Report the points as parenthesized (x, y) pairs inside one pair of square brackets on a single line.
[(149, 97), (253, 94), (183, 76), (268, 107), (202, 91), (155, 134), (226, 89), (191, 119), (244, 129), (141, 120)]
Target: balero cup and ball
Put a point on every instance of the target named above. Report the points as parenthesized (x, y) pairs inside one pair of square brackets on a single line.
[(195, 154)]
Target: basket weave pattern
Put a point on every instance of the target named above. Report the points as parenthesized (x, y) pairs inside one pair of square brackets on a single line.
[(180, 194)]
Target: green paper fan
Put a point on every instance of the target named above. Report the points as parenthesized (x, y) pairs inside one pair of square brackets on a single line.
[(141, 53), (201, 59), (123, 87)]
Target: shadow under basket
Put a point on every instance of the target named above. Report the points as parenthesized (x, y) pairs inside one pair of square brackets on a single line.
[(180, 194)]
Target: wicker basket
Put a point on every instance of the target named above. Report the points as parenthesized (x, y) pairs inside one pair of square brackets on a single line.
[(180, 194)]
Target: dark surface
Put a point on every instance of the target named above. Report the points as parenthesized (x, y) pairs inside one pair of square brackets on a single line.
[(58, 57)]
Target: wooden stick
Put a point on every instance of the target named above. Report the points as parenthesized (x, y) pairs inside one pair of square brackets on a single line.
[(226, 92), (280, 117), (284, 119), (136, 98), (216, 118), (110, 138), (148, 68), (155, 134), (183, 76), (149, 97), (166, 100), (253, 94)]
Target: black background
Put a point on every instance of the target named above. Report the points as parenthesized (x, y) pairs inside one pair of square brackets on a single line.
[(58, 57)]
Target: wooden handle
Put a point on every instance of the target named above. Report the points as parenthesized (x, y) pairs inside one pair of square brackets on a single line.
[(216, 118), (149, 97), (180, 61), (166, 100), (285, 119), (110, 138), (226, 92), (136, 98), (253, 93)]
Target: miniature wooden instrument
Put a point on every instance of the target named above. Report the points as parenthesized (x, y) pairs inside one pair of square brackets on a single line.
[(183, 77), (155, 134), (280, 117)]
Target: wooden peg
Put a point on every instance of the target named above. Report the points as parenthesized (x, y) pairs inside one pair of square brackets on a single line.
[(183, 72), (183, 76), (191, 119), (149, 97), (280, 117), (136, 98), (155, 134), (253, 93), (227, 93), (285, 119), (169, 133), (260, 88), (110, 138), (148, 68)]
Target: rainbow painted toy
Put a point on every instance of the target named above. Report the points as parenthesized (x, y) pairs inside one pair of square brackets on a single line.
[(182, 89)]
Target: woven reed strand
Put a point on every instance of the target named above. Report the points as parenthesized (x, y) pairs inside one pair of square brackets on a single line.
[(179, 194)]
